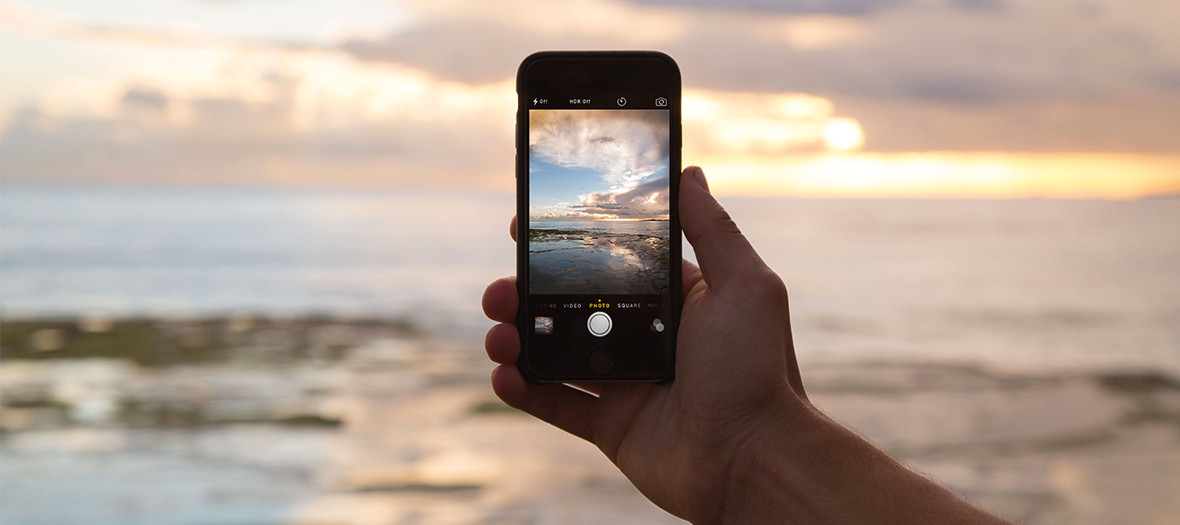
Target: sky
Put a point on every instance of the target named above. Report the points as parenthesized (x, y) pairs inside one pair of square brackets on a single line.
[(598, 164), (823, 98)]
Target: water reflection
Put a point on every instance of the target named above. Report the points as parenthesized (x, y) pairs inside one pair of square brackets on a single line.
[(613, 257)]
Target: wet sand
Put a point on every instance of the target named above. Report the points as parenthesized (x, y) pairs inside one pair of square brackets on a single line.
[(576, 261), (337, 421)]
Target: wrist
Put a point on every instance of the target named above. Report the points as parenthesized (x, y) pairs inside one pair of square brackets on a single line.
[(807, 468), (762, 478)]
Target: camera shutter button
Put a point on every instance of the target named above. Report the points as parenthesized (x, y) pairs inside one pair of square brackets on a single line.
[(599, 324)]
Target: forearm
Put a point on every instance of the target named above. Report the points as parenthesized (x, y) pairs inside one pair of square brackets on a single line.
[(806, 468)]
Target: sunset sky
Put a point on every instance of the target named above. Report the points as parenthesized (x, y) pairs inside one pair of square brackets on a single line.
[(896, 98)]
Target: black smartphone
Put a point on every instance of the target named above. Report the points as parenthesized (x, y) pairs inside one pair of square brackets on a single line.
[(598, 231)]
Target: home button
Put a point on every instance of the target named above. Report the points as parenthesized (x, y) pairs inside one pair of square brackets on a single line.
[(600, 362)]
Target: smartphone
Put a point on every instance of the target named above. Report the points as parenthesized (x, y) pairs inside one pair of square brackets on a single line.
[(598, 231)]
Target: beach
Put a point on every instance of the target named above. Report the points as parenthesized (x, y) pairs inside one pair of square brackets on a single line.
[(244, 246), (609, 257), (365, 421), (228, 357)]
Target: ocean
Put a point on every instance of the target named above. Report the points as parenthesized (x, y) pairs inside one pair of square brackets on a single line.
[(193, 253), (911, 321), (1006, 283), (614, 257)]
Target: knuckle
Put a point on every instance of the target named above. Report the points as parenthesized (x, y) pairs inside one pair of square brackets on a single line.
[(769, 287), (724, 222)]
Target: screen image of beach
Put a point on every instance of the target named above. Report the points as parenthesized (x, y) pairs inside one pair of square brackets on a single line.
[(598, 202)]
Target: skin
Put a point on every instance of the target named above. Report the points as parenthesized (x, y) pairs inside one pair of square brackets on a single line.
[(734, 439)]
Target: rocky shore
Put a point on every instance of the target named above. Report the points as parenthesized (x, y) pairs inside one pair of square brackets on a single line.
[(565, 261), (373, 421)]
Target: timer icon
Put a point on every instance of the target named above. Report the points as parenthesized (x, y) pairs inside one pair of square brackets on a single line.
[(622, 101)]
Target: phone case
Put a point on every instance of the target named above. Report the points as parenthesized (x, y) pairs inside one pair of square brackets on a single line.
[(594, 67)]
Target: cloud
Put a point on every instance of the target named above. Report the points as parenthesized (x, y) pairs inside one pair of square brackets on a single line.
[(720, 122), (1147, 124), (980, 5), (646, 200), (955, 50), (146, 98), (239, 142), (950, 63), (958, 51), (428, 100), (625, 147), (453, 50), (809, 7)]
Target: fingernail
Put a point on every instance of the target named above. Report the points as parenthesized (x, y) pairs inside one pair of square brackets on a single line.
[(699, 175)]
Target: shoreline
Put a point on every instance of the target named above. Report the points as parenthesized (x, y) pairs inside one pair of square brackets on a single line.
[(210, 338), (151, 341), (360, 416), (274, 345)]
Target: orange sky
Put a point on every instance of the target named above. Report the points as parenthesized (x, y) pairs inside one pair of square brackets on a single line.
[(952, 175), (795, 99)]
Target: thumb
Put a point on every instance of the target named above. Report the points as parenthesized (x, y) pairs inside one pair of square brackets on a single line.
[(725, 256)]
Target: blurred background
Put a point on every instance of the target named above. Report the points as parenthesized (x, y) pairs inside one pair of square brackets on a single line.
[(242, 245)]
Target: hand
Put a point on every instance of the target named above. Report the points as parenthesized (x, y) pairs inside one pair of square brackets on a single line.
[(734, 438), (735, 372)]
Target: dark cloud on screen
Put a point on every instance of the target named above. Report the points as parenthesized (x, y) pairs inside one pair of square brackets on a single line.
[(647, 200)]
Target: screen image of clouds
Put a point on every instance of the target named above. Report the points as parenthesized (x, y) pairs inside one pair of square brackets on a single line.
[(598, 164), (598, 201)]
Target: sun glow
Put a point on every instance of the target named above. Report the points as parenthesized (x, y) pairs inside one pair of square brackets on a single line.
[(268, 112), (843, 134), (948, 175), (759, 144)]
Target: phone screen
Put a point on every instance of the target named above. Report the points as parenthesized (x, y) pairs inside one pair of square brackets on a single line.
[(598, 233)]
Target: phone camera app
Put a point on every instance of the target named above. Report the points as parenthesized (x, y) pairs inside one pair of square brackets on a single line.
[(599, 199)]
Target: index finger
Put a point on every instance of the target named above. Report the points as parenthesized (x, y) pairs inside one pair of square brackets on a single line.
[(500, 301)]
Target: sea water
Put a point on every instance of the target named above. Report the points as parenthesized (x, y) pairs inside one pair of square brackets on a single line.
[(610, 257), (1015, 283), (1028, 285), (196, 252)]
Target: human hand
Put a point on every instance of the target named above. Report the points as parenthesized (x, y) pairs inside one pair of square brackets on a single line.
[(736, 373)]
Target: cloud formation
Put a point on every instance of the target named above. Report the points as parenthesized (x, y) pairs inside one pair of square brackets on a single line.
[(646, 200), (625, 150), (426, 98), (154, 138), (797, 7), (626, 147), (940, 59)]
